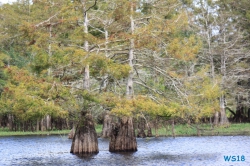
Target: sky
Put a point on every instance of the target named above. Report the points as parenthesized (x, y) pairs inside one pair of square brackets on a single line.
[(6, 1)]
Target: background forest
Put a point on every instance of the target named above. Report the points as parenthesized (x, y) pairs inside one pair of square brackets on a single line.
[(157, 61)]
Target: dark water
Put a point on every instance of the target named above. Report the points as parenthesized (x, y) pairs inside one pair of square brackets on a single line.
[(54, 150)]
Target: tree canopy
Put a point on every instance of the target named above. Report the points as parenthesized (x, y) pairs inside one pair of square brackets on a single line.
[(165, 58)]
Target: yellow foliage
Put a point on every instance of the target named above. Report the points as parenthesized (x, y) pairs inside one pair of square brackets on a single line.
[(184, 49), (2, 57), (202, 95), (101, 65), (30, 98), (140, 104)]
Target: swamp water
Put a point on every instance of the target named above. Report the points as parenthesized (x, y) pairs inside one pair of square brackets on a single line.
[(195, 151)]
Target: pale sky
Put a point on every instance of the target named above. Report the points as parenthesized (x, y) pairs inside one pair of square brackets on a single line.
[(6, 1)]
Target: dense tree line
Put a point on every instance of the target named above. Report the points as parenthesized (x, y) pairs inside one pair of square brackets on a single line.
[(63, 63)]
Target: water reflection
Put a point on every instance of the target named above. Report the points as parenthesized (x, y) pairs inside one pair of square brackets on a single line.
[(54, 150), (86, 157)]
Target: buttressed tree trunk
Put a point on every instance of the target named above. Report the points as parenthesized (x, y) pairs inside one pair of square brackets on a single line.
[(106, 129), (123, 136), (85, 138), (141, 128), (72, 132)]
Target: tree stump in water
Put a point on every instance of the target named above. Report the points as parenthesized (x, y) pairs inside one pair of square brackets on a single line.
[(85, 138), (123, 136), (107, 126)]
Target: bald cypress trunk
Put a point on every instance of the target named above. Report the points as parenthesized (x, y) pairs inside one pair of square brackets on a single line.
[(48, 122), (72, 132), (216, 118), (106, 128), (10, 122), (141, 128), (223, 119), (85, 138), (123, 136)]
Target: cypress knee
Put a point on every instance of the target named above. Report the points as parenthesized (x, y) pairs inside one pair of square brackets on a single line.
[(85, 138), (123, 136)]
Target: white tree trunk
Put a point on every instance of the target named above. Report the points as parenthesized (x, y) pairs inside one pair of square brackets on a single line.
[(223, 118), (49, 50), (85, 137), (86, 47), (106, 41), (130, 90), (48, 122)]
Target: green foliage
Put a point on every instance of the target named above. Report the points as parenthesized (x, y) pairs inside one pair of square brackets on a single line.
[(202, 96), (3, 76), (146, 8), (134, 107), (101, 66), (30, 98), (40, 63), (184, 49), (51, 36), (6, 132)]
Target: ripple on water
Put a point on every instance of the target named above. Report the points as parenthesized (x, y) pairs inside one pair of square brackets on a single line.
[(54, 150)]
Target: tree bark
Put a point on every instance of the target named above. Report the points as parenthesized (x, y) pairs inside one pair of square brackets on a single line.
[(123, 136), (107, 126), (198, 131), (129, 88), (37, 125), (72, 132), (43, 125), (216, 118), (48, 122), (248, 113), (156, 127), (173, 131), (10, 122), (141, 128), (223, 116), (85, 139)]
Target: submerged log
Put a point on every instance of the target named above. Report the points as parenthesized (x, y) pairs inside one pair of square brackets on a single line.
[(85, 138), (123, 136)]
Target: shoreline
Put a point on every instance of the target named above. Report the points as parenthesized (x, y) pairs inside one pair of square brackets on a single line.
[(13, 134), (99, 135), (237, 129)]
